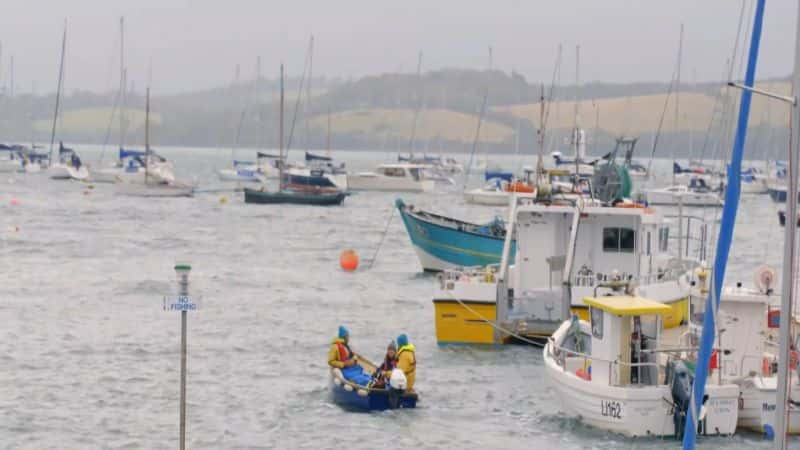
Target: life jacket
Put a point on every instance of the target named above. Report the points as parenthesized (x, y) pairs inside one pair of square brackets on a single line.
[(409, 348), (344, 350)]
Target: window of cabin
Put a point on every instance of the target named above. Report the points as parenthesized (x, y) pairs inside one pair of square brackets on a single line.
[(663, 239), (597, 322), (619, 240)]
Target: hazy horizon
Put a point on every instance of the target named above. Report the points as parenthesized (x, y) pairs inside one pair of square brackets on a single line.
[(196, 44)]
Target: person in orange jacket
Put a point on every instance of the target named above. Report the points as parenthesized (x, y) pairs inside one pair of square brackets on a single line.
[(340, 355)]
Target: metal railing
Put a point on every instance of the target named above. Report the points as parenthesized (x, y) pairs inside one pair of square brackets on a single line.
[(561, 353)]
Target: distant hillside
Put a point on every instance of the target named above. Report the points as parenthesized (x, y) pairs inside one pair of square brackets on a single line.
[(377, 111)]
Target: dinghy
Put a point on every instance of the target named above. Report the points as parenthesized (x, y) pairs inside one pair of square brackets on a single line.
[(367, 398)]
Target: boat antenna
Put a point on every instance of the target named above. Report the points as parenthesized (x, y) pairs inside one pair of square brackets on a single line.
[(417, 107), (729, 210), (58, 90)]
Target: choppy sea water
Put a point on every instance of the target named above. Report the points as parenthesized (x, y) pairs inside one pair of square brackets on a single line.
[(88, 359)]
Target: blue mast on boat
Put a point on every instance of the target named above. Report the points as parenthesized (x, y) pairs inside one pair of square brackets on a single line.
[(729, 210)]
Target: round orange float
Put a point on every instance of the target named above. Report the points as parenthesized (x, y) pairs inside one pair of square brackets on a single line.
[(348, 260)]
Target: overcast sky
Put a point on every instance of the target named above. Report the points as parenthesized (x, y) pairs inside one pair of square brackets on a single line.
[(197, 43)]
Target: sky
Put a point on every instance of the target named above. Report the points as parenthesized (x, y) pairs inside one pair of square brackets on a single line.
[(196, 44)]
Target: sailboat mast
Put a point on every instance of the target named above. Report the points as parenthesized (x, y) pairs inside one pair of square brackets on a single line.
[(789, 264), (147, 137), (328, 138), (121, 82), (417, 108), (725, 240), (576, 133), (280, 138), (677, 97), (58, 91), (308, 89)]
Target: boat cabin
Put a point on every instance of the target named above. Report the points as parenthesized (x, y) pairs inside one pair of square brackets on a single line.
[(623, 329), (566, 253), (412, 171)]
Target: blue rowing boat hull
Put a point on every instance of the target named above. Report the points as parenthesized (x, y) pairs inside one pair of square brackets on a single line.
[(372, 399), (440, 247)]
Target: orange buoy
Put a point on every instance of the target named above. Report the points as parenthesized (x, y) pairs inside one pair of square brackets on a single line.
[(348, 260)]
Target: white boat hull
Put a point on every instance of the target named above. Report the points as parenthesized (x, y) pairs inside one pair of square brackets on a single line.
[(767, 391), (11, 166), (65, 172), (755, 187), (491, 198), (239, 177), (659, 197), (374, 182), (105, 176), (637, 410)]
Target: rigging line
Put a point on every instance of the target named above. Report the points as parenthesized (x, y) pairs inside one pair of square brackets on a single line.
[(243, 115), (299, 96), (717, 99), (661, 123), (480, 120), (548, 104), (107, 136), (419, 105), (383, 237)]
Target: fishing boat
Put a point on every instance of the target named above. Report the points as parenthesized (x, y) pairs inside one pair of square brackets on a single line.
[(155, 185), (292, 193), (696, 193), (606, 371), (400, 177), (368, 398), (445, 243), (635, 169), (69, 166), (567, 249)]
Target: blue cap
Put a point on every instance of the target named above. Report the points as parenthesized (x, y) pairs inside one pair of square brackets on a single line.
[(402, 340), (343, 333)]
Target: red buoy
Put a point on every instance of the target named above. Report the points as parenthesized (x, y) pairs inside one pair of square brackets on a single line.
[(348, 260)]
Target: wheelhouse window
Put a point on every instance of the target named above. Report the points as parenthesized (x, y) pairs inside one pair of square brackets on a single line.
[(619, 240), (394, 172), (663, 239), (597, 322), (415, 174)]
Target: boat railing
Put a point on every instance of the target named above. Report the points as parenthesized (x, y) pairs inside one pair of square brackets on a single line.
[(448, 277), (694, 236), (560, 355)]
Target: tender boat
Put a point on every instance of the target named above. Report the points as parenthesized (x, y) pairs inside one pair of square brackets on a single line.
[(445, 243), (697, 193), (393, 178), (606, 371), (367, 398)]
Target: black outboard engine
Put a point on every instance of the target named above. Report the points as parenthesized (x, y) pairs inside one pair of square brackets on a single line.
[(679, 379)]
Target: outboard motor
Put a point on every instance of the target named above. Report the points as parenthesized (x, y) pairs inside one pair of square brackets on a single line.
[(679, 380), (397, 387)]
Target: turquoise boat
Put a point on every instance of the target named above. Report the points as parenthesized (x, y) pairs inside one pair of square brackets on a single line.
[(445, 243)]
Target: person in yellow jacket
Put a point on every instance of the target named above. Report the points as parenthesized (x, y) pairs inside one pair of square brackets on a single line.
[(407, 361), (340, 355)]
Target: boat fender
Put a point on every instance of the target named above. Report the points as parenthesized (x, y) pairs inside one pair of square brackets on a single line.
[(363, 392), (348, 388), (337, 381), (398, 379)]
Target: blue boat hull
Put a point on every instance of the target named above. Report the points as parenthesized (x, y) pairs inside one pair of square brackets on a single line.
[(443, 247), (374, 400)]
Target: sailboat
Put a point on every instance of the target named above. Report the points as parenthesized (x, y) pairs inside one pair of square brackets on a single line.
[(320, 196), (130, 164), (69, 165), (153, 186)]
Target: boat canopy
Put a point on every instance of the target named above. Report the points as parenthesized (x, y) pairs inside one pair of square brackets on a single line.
[(124, 153), (314, 157), (627, 305)]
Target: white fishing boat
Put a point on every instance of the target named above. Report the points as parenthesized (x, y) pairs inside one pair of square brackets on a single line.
[(567, 249), (606, 371), (393, 178), (696, 193), (494, 193)]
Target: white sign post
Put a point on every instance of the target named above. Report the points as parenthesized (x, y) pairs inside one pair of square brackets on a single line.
[(182, 303)]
